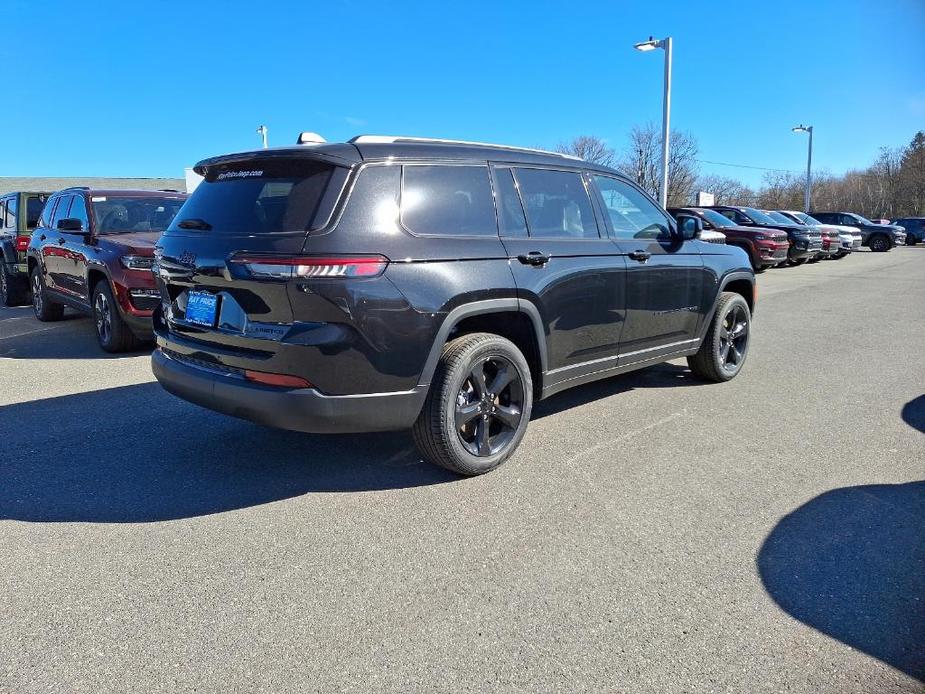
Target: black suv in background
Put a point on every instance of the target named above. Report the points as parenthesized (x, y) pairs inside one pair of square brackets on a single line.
[(805, 242), (877, 237), (93, 250), (391, 283), (914, 228), (19, 213)]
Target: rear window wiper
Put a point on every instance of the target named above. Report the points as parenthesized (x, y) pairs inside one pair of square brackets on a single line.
[(195, 223)]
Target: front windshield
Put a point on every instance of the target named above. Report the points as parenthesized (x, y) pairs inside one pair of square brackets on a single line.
[(759, 217), (806, 219), (716, 219), (780, 218), (124, 215), (862, 220)]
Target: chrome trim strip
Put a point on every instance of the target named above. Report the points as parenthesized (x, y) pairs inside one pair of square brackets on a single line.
[(622, 355)]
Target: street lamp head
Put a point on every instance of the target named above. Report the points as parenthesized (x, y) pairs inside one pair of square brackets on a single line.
[(802, 129), (649, 45)]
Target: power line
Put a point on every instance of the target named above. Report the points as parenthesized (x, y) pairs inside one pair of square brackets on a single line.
[(746, 166)]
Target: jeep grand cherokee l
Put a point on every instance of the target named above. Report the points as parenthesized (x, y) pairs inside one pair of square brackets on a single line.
[(877, 237), (393, 283), (805, 242), (92, 250), (765, 247), (19, 213)]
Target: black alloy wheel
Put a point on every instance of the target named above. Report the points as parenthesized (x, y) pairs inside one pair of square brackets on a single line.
[(879, 243), (733, 337), (489, 407), (478, 406), (725, 346), (102, 313)]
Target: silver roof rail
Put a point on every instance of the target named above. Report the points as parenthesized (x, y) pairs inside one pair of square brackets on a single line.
[(389, 139)]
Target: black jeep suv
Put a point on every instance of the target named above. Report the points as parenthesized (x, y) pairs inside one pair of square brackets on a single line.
[(390, 283)]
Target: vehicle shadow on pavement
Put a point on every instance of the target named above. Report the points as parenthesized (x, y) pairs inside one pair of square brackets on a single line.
[(663, 375), (74, 337), (851, 563), (137, 454), (913, 414)]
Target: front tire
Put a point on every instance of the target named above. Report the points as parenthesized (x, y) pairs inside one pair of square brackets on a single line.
[(478, 406), (44, 308), (112, 332), (723, 351), (879, 243)]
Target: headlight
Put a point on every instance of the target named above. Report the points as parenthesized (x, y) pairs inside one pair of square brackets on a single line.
[(137, 262), (761, 237)]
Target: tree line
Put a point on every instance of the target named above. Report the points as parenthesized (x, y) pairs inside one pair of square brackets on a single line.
[(892, 186)]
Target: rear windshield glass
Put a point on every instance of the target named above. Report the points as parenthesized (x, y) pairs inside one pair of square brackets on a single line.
[(124, 215), (257, 197), (34, 205)]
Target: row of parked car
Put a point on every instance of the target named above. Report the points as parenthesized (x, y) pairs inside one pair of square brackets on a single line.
[(778, 237), (389, 282)]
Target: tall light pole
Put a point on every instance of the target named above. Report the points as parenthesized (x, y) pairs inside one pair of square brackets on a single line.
[(650, 45), (262, 131), (809, 165)]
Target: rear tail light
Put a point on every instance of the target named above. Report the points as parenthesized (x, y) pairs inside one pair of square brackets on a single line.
[(309, 267), (279, 380), (22, 243)]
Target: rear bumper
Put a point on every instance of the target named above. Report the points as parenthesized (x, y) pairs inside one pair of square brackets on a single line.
[(300, 409)]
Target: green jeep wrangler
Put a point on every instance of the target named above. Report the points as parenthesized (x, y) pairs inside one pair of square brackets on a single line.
[(19, 213)]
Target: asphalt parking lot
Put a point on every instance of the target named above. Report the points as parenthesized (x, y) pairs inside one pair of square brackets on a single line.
[(653, 534)]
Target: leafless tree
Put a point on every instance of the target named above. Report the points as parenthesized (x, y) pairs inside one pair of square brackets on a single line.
[(590, 148), (641, 161), (726, 191)]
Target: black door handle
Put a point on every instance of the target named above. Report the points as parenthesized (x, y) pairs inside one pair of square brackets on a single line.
[(641, 256), (61, 240), (42, 237), (534, 258)]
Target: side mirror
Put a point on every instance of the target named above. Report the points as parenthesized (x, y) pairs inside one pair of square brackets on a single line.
[(70, 224), (690, 226)]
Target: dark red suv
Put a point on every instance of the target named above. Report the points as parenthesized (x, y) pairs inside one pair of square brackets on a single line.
[(765, 247), (93, 251)]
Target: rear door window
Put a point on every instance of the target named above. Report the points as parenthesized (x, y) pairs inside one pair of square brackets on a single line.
[(261, 197), (447, 201), (12, 206), (556, 204)]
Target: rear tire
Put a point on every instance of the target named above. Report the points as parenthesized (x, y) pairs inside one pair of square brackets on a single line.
[(112, 332), (723, 351), (44, 308), (9, 296), (478, 407)]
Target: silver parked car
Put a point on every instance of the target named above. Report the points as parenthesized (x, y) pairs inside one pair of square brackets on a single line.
[(849, 237)]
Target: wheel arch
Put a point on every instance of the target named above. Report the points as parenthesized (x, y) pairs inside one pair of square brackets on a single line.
[(742, 283), (511, 318)]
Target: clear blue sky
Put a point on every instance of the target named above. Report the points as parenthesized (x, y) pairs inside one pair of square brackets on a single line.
[(144, 89)]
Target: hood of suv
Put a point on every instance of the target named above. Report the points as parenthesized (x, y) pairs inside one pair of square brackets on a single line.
[(135, 243)]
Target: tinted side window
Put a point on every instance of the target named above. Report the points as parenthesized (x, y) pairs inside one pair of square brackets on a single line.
[(3, 218), (447, 201), (632, 214), (556, 204), (510, 210), (79, 211)]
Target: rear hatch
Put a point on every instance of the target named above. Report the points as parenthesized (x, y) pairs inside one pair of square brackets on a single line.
[(214, 289)]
